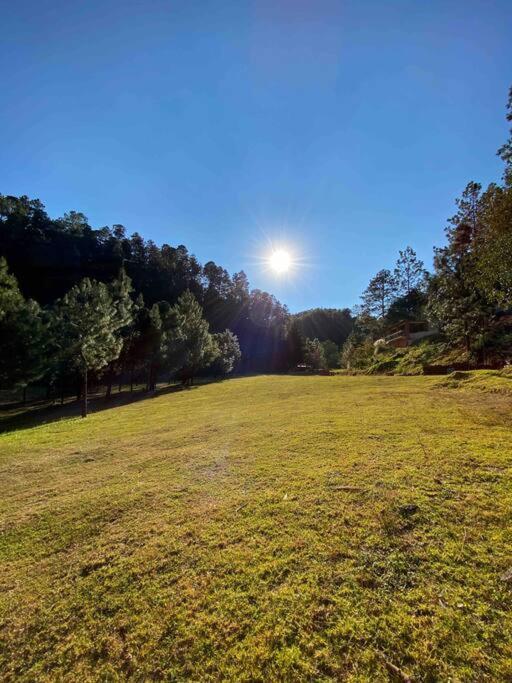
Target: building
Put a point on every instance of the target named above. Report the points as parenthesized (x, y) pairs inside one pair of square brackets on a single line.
[(409, 332)]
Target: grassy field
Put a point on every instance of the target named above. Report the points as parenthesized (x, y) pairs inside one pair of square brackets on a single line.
[(262, 529)]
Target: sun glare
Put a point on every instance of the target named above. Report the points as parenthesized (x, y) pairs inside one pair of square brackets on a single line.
[(280, 261)]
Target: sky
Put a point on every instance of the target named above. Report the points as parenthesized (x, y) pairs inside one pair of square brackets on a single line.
[(341, 131)]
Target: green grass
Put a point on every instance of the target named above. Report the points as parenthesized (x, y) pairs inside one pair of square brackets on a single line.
[(262, 529), (494, 381)]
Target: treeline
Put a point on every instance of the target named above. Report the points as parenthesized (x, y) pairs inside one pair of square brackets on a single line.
[(98, 328), (467, 297), (49, 256)]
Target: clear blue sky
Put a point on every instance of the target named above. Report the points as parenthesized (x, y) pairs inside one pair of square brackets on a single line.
[(344, 129)]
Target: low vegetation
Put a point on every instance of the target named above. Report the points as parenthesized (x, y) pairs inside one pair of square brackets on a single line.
[(266, 528)]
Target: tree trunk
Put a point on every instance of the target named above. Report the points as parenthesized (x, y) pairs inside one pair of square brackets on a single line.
[(62, 393), (109, 384), (24, 398), (152, 379), (131, 381), (120, 387), (84, 393)]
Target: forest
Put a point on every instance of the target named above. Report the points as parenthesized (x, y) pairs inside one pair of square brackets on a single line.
[(81, 304)]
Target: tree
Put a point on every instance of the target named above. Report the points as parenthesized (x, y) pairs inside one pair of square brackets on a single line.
[(455, 303), (357, 352), (10, 296), (129, 358), (407, 307), (314, 354), (325, 323), (86, 324), (380, 293), (23, 335), (409, 272), (295, 343), (229, 353), (151, 344), (492, 247), (120, 290), (493, 243), (505, 151), (196, 347), (331, 354)]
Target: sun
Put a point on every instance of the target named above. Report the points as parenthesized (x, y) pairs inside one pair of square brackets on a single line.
[(280, 261)]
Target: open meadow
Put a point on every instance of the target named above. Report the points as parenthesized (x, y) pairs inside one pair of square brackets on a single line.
[(271, 528)]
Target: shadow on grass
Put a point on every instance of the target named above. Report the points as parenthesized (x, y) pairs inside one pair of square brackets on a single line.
[(45, 412)]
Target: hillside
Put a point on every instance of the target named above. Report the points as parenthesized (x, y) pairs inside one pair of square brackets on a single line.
[(265, 528)]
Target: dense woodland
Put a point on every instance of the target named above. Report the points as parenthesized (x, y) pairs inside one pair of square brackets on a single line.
[(79, 303)]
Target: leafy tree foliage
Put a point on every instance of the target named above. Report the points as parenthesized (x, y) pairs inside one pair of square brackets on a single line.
[(314, 354), (10, 296), (229, 354), (407, 307), (331, 354), (325, 323)]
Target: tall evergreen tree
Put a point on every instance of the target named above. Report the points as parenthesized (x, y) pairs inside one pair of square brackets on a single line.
[(198, 345), (23, 335), (505, 151), (87, 324), (409, 272), (295, 343), (455, 302), (380, 293), (120, 290)]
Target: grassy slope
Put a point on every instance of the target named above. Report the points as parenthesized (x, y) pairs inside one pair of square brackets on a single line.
[(494, 381), (255, 530)]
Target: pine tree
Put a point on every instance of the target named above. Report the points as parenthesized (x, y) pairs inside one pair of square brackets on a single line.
[(198, 347), (295, 343), (505, 151), (23, 335), (172, 342), (87, 324), (409, 272), (120, 290), (380, 293)]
